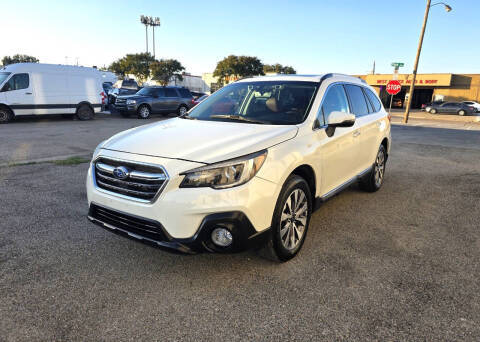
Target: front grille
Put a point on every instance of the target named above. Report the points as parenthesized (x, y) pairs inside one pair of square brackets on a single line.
[(120, 101), (136, 225), (141, 182)]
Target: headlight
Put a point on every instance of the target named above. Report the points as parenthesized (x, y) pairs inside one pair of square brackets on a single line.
[(131, 102), (226, 174)]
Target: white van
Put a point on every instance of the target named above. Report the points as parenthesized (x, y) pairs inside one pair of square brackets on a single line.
[(38, 89)]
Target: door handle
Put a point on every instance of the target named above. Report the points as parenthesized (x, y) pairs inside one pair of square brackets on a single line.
[(356, 134), (28, 93)]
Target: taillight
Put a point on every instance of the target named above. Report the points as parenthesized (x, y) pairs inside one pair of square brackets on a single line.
[(193, 100), (102, 94), (389, 117)]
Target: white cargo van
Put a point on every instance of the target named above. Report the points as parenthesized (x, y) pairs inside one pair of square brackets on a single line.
[(39, 89)]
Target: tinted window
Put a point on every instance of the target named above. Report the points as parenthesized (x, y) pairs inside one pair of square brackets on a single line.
[(16, 82), (369, 105), (170, 92), (377, 105), (185, 93), (334, 101), (448, 104), (159, 92), (357, 100)]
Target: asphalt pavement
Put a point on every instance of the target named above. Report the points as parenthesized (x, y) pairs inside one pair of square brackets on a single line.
[(401, 264)]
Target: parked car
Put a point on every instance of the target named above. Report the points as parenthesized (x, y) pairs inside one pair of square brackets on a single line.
[(451, 108), (41, 89), (473, 104), (397, 103), (150, 100), (197, 94), (250, 176), (199, 99), (121, 88), (427, 106)]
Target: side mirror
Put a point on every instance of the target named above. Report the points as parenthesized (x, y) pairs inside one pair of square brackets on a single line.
[(340, 119)]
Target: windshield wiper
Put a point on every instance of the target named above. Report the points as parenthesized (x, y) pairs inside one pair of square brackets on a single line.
[(234, 117), (186, 116)]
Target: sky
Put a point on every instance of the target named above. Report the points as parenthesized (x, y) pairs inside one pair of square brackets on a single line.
[(313, 36)]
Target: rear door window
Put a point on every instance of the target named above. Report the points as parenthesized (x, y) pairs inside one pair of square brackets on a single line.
[(185, 93), (17, 82), (159, 92), (358, 101), (373, 99), (170, 92)]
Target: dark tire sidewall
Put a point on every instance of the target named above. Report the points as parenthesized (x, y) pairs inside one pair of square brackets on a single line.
[(180, 108), (143, 117), (5, 116), (293, 182), (85, 112)]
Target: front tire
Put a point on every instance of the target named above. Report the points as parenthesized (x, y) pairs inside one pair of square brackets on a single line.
[(84, 112), (5, 115), (374, 179), (290, 220), (143, 112)]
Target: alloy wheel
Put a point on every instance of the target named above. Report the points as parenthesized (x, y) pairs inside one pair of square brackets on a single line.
[(182, 110), (144, 112), (294, 219), (379, 168)]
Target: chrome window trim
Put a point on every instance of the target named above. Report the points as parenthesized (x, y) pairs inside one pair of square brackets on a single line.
[(160, 190)]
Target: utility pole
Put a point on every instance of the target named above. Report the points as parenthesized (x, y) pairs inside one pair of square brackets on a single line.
[(419, 49)]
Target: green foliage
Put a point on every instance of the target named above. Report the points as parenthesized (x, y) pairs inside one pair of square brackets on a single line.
[(166, 69), (234, 67), (19, 59), (137, 64), (279, 69)]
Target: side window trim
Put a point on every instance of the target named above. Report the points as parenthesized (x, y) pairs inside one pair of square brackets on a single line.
[(320, 109)]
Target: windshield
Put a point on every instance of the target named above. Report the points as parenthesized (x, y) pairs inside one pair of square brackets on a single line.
[(3, 76), (146, 91), (269, 102)]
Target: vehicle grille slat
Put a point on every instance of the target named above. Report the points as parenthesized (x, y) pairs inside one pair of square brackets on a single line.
[(142, 182), (139, 226)]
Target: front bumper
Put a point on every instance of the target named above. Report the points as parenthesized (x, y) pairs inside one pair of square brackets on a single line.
[(186, 215), (152, 233)]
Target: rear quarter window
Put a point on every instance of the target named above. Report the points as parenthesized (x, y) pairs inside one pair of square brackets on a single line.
[(377, 105), (358, 101)]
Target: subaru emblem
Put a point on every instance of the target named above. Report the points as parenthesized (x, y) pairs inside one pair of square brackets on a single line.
[(120, 172)]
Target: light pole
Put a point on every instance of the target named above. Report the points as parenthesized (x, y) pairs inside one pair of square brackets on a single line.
[(153, 23), (145, 21), (414, 74)]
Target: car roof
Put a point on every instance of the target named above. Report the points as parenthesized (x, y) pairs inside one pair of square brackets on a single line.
[(304, 78)]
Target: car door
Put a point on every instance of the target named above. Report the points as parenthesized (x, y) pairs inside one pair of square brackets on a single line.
[(336, 152), (159, 102), (172, 99), (366, 127), (373, 125), (18, 92), (446, 108)]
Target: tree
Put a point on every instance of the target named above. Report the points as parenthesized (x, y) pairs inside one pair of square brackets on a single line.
[(166, 69), (279, 69), (234, 67), (19, 59), (137, 64)]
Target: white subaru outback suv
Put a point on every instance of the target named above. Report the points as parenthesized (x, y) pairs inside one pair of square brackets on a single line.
[(244, 168)]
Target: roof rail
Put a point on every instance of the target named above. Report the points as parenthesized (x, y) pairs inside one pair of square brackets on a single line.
[(329, 75)]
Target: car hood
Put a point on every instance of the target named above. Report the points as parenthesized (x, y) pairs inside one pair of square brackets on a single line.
[(198, 140)]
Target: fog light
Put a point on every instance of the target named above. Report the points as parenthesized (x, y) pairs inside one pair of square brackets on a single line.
[(222, 237)]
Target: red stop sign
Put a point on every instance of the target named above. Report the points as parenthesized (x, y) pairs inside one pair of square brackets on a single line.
[(393, 87)]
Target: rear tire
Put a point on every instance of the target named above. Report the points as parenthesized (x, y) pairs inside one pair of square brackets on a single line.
[(143, 112), (290, 220), (182, 110), (6, 115), (374, 179), (85, 112), (461, 112), (433, 111)]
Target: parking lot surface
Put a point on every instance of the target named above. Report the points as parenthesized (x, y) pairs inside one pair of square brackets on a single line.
[(397, 265)]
